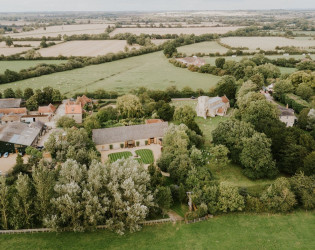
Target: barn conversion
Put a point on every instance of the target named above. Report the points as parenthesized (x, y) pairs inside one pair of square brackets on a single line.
[(16, 136), (129, 136)]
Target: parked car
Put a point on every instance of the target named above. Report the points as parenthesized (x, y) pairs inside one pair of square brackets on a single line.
[(6, 154), (192, 97)]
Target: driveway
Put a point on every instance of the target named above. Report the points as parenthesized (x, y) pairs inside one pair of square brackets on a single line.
[(61, 111), (7, 164)]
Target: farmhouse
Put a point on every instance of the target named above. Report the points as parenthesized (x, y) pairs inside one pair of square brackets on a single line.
[(196, 61), (74, 111), (10, 118), (47, 110), (129, 136), (16, 136), (287, 116), (11, 111), (212, 106), (83, 100), (35, 118), (10, 103)]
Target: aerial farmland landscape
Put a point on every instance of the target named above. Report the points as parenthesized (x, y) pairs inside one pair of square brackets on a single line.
[(171, 125)]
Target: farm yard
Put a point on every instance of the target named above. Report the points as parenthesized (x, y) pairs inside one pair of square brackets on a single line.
[(24, 64), (279, 231), (204, 47), (267, 43), (86, 48), (151, 70), (54, 31), (163, 31)]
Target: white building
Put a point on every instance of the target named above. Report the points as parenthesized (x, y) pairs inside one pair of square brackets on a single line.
[(212, 106)]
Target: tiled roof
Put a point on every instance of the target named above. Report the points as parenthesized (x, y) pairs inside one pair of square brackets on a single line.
[(47, 109), (10, 103), (225, 99), (150, 121), (127, 133), (13, 111), (83, 100), (73, 108)]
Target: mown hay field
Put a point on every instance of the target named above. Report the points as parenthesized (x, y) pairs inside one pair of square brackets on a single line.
[(69, 30), (230, 231), (204, 47), (25, 64), (86, 48), (151, 70), (163, 31), (267, 43)]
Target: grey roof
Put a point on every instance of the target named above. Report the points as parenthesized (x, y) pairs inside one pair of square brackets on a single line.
[(286, 111), (10, 103), (126, 133), (19, 133), (214, 99)]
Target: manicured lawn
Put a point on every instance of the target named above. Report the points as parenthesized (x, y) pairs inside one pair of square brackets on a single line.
[(204, 47), (152, 71), (116, 156), (233, 231), (146, 155), (18, 65)]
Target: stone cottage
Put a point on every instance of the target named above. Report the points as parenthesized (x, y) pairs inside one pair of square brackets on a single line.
[(212, 106)]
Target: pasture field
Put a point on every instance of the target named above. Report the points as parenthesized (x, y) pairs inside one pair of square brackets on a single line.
[(204, 47), (25, 64), (266, 43), (163, 31), (151, 70), (53, 31), (146, 155), (230, 231), (86, 48), (116, 156)]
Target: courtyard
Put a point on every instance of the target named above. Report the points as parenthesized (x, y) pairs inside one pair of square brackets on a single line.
[(7, 164)]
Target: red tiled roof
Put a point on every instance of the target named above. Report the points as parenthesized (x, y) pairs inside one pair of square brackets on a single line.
[(225, 99), (13, 111), (83, 100), (47, 109), (150, 121), (73, 108)]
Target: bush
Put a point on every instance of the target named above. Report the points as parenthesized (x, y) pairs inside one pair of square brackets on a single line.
[(146, 142), (110, 146), (65, 122), (137, 143), (121, 145)]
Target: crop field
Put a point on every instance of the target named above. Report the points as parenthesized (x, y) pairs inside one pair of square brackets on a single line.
[(159, 41), (25, 64), (230, 231), (86, 48), (151, 70), (116, 156), (266, 43), (69, 30), (204, 47), (6, 51), (146, 155), (178, 31)]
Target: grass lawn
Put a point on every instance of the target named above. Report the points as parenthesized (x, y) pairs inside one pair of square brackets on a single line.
[(152, 71), (19, 65), (180, 209), (116, 156), (146, 155), (204, 47), (233, 231), (285, 70)]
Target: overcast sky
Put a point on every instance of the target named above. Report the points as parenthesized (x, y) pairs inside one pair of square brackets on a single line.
[(148, 5)]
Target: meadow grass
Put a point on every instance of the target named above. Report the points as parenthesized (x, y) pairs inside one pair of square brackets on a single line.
[(231, 231), (25, 64), (151, 70), (203, 47)]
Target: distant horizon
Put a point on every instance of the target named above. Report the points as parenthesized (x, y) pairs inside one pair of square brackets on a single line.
[(22, 6)]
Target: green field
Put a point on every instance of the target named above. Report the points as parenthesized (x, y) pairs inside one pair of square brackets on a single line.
[(116, 156), (18, 65), (233, 231), (152, 71), (146, 155), (204, 47)]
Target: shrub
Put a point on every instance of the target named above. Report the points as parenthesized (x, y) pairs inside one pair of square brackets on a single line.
[(121, 145), (137, 143), (146, 142), (110, 146)]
